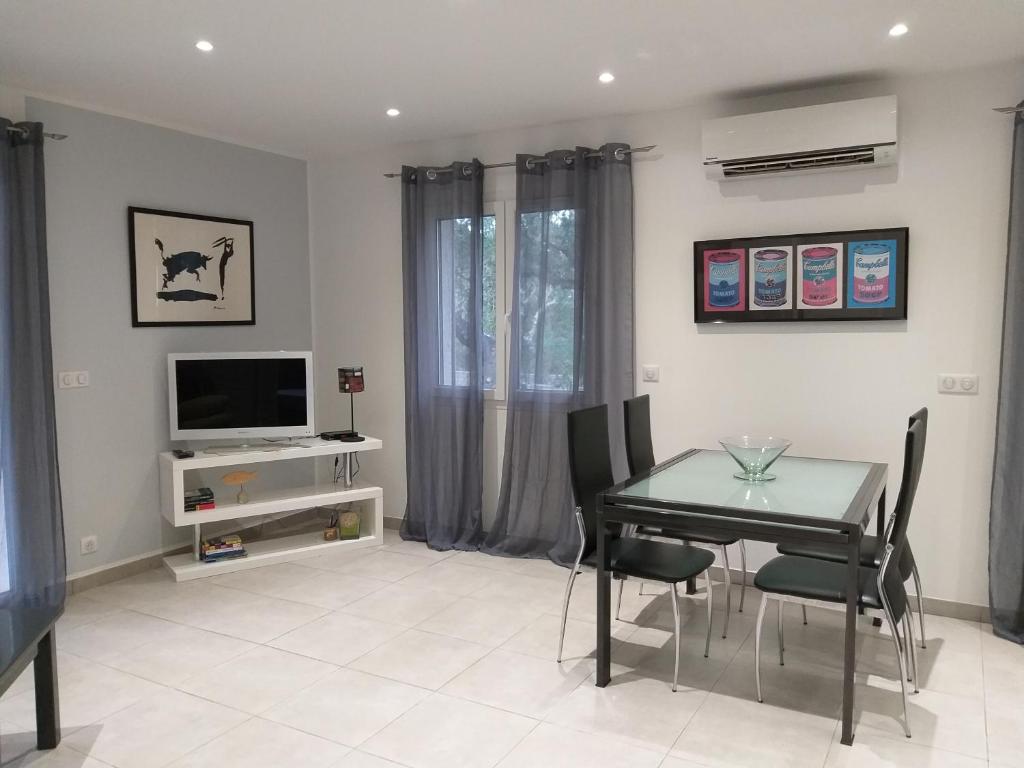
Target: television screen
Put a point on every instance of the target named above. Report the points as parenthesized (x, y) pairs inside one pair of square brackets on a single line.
[(225, 396)]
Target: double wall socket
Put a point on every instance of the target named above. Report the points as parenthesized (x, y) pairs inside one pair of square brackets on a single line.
[(958, 383), (72, 379)]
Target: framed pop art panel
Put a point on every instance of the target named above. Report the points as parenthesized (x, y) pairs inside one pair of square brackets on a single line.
[(847, 275), (190, 269)]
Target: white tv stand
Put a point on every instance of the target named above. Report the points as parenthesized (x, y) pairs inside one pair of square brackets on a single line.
[(173, 483)]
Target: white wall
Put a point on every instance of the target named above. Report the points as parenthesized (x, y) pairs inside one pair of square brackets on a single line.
[(12, 103), (109, 434), (840, 390)]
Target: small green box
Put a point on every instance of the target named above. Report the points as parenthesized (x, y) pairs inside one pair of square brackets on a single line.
[(348, 525)]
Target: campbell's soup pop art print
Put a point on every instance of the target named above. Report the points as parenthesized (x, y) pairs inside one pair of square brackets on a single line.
[(872, 274), (820, 276), (724, 280), (770, 277)]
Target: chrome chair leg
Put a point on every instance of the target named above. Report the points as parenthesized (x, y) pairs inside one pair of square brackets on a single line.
[(908, 620), (782, 643), (898, 643), (728, 591), (707, 640), (804, 609), (565, 611), (743, 566), (618, 601), (920, 602), (675, 616), (757, 644)]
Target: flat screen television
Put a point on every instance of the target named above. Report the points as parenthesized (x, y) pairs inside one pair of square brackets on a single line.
[(240, 395)]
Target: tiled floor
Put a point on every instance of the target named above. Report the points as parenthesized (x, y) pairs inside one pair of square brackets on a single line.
[(407, 657)]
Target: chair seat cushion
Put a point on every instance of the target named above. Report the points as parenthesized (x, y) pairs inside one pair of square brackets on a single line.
[(721, 539), (833, 553), (825, 581), (658, 561)]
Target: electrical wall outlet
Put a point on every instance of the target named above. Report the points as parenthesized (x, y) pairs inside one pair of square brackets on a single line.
[(958, 383), (90, 544), (651, 373), (72, 379)]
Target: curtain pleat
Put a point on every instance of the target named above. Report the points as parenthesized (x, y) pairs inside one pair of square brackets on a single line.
[(442, 262), (1006, 521), (571, 336)]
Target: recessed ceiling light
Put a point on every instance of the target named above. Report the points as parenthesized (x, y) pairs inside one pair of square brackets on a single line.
[(205, 46), (392, 112), (898, 30), (606, 77)]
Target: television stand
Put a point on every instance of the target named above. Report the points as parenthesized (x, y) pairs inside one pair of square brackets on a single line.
[(176, 475), (229, 450)]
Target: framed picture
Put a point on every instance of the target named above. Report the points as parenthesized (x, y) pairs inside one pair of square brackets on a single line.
[(190, 269), (854, 275)]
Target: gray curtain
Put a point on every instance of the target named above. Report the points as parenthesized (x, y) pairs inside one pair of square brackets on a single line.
[(442, 262), (571, 336), (1006, 521), (32, 528)]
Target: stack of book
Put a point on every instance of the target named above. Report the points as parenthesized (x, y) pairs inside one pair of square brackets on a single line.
[(198, 499), (223, 548)]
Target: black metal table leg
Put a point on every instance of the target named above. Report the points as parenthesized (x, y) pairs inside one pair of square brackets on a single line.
[(47, 700), (850, 651), (604, 606)]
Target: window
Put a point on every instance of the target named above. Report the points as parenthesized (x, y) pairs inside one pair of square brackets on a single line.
[(547, 301), (454, 291)]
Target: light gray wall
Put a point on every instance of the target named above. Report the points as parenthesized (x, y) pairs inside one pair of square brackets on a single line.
[(111, 432)]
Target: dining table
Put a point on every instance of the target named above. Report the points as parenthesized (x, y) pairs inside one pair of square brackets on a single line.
[(825, 501)]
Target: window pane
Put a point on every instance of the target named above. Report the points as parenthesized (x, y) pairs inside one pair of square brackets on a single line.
[(454, 284), (547, 300)]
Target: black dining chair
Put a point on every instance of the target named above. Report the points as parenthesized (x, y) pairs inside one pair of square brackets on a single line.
[(870, 548), (810, 581), (640, 457), (590, 469)]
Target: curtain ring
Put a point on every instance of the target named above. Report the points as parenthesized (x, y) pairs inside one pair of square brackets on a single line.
[(529, 164), (620, 154), (467, 170), (569, 159), (431, 174)]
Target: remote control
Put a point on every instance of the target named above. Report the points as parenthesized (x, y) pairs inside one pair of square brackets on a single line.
[(182, 453)]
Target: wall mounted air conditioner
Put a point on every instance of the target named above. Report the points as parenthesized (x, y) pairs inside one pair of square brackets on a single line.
[(825, 137)]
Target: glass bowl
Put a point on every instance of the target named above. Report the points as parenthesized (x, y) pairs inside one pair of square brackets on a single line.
[(755, 454)]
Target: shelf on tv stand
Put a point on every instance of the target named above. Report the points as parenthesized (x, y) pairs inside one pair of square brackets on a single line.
[(267, 502)]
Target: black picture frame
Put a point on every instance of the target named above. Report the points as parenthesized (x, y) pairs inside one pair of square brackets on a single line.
[(243, 303), (858, 289)]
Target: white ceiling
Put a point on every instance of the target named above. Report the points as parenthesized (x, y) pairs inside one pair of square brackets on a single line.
[(313, 77)]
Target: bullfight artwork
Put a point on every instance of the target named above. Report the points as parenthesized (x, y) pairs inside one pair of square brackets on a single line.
[(190, 269)]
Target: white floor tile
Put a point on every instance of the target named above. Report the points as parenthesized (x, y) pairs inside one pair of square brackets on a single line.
[(540, 638), (879, 752), (737, 732), (67, 664), (443, 732), (19, 751), (339, 638), (517, 683), (80, 610), (525, 591), (386, 566), (358, 759), (181, 653), (491, 562), (114, 635), (417, 549), (267, 579), (156, 731), (421, 658), (262, 744), (258, 679), (137, 592), (88, 694), (481, 621), (401, 604), (453, 577), (640, 710), (329, 589), (551, 746), (347, 706)]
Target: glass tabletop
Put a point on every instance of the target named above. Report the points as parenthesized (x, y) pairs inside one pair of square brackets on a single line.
[(804, 487)]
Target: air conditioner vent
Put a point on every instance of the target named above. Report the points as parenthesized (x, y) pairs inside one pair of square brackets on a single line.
[(801, 162)]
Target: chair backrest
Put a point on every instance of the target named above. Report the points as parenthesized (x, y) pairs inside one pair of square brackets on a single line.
[(913, 459), (590, 465), (919, 415), (639, 450)]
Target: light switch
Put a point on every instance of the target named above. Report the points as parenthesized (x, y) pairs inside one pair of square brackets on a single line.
[(652, 373)]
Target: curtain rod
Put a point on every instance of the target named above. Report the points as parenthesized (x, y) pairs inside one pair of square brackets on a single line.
[(1008, 110), (539, 160), (24, 132)]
